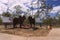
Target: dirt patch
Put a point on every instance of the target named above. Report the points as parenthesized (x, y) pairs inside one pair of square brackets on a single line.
[(25, 32)]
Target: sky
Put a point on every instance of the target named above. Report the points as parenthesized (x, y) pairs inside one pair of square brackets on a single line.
[(25, 4)]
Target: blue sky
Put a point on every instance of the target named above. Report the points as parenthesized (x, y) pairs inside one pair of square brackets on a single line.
[(26, 4), (54, 2)]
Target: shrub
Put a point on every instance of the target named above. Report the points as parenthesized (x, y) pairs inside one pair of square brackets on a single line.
[(0, 21), (47, 21), (6, 14)]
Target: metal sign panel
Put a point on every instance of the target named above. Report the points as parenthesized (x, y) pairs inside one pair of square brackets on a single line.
[(6, 20)]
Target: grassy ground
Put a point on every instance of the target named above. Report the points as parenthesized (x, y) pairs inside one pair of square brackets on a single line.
[(25, 32), (56, 26)]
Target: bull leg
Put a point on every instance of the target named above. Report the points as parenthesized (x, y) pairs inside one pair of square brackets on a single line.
[(20, 25), (23, 25), (41, 25), (34, 25), (14, 25), (31, 25), (5, 25), (34, 28)]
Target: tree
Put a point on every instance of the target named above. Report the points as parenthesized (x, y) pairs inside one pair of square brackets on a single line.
[(18, 9), (0, 20), (48, 22), (6, 14), (58, 17)]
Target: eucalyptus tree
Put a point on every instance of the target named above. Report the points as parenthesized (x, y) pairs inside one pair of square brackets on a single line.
[(58, 17), (43, 11), (44, 8), (6, 14), (17, 10), (8, 4)]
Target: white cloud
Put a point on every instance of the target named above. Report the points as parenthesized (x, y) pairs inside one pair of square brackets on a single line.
[(20, 2), (55, 9), (5, 1), (13, 3)]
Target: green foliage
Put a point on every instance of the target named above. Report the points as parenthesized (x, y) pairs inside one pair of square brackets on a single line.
[(47, 21), (37, 14), (0, 21), (6, 14), (17, 7), (26, 21)]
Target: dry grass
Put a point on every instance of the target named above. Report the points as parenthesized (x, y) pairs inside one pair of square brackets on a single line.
[(25, 32)]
